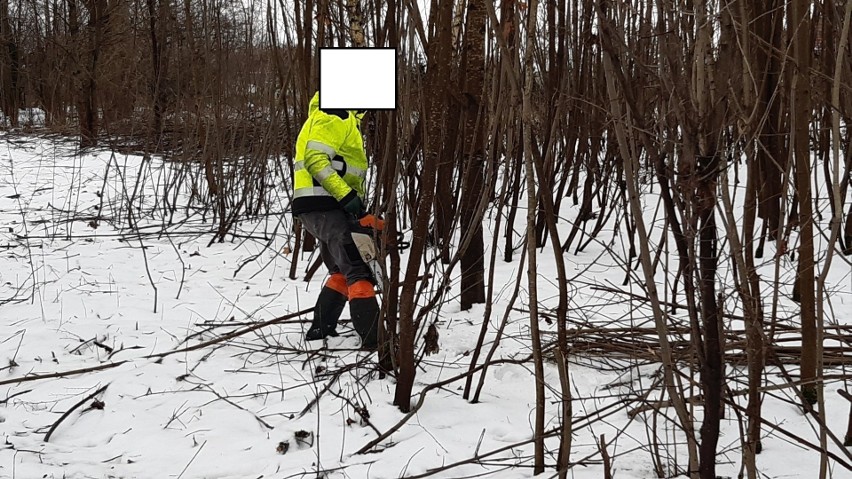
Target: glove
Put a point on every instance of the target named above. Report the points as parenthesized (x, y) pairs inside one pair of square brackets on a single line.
[(352, 204)]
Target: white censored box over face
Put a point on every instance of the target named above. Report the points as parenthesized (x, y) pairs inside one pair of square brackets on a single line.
[(357, 78)]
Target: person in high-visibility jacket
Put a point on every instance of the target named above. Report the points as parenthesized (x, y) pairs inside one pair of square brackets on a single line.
[(328, 180)]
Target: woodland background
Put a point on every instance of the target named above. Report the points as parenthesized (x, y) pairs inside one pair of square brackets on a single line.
[(511, 109)]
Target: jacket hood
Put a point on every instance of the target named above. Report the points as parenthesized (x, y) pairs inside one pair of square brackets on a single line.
[(313, 107)]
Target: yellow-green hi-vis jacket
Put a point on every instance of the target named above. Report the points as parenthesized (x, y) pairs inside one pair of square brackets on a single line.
[(331, 163)]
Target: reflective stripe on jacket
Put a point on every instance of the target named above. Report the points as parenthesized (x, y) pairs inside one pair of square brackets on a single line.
[(331, 163)]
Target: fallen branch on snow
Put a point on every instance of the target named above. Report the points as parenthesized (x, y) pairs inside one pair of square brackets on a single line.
[(74, 407), (74, 372), (232, 335)]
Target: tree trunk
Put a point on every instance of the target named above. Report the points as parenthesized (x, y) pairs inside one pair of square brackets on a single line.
[(158, 15), (532, 274), (799, 28), (771, 156), (438, 56), (356, 30), (473, 257), (9, 67), (87, 99), (711, 370)]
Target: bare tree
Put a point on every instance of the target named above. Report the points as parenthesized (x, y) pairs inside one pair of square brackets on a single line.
[(438, 51), (800, 35), (9, 67), (472, 170)]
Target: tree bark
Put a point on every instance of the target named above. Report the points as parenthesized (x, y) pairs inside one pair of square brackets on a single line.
[(438, 53), (771, 156), (87, 97), (799, 34), (532, 273), (9, 67), (473, 257), (158, 15)]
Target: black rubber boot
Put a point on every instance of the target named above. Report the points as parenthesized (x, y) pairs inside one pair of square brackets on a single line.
[(329, 305), (365, 318)]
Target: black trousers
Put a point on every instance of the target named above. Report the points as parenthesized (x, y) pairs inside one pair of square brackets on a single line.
[(333, 229)]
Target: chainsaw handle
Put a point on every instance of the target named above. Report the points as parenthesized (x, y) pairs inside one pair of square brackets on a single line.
[(371, 221)]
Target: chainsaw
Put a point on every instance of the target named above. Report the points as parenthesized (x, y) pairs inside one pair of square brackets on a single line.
[(366, 235)]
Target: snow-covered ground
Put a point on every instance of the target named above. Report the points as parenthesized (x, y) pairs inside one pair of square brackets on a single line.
[(77, 294)]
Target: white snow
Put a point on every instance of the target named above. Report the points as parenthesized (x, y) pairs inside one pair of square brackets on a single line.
[(74, 296)]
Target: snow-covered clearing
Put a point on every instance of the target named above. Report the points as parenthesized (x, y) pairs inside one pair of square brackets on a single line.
[(75, 294)]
